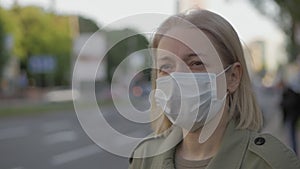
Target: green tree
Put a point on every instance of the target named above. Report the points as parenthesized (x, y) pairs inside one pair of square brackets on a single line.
[(128, 44), (87, 25), (287, 15), (4, 56), (37, 32)]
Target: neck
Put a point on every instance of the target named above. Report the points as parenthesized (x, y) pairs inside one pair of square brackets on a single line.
[(191, 149)]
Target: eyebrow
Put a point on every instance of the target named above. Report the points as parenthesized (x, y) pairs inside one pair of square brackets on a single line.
[(188, 56), (164, 58), (193, 55)]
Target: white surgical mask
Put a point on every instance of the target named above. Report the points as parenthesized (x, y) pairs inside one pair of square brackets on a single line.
[(189, 100)]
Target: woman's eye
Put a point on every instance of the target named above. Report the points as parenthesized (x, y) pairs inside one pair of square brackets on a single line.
[(197, 63), (197, 66), (165, 68)]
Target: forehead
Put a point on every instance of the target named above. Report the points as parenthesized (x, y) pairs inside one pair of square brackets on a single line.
[(172, 46), (171, 43), (186, 39)]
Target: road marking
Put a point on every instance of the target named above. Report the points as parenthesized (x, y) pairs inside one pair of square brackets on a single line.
[(55, 126), (18, 168), (62, 136), (12, 133), (75, 154)]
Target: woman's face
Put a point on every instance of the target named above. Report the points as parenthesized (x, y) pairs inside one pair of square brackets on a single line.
[(189, 50)]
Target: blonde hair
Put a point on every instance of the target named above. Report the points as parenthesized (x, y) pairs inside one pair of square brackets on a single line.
[(243, 106)]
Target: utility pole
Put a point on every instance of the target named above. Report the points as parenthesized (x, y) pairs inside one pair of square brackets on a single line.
[(52, 5)]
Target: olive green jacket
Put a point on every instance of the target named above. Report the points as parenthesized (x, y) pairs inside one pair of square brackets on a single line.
[(240, 149)]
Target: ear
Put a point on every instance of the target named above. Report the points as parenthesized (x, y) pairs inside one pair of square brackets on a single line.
[(233, 77)]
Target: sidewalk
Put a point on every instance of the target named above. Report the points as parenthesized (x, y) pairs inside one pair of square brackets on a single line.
[(32, 96), (269, 100)]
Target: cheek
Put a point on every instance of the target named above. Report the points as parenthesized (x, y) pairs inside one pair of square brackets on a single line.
[(221, 86)]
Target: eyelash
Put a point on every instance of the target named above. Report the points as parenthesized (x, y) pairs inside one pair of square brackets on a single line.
[(162, 68), (197, 63)]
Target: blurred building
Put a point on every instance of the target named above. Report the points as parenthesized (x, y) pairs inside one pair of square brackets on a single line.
[(266, 56), (183, 5), (89, 64), (9, 83), (258, 55)]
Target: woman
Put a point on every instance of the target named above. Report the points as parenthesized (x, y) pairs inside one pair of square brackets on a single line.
[(209, 115)]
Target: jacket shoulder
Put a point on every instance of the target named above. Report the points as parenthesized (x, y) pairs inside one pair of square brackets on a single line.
[(143, 154), (158, 150), (148, 146), (273, 151)]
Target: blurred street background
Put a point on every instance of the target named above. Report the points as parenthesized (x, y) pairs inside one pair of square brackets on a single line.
[(40, 41)]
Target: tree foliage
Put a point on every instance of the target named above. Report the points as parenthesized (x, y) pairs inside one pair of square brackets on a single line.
[(37, 32), (3, 51), (286, 14), (86, 25), (120, 50)]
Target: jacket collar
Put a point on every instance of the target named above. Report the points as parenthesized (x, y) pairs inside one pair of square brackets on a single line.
[(233, 148), (234, 141)]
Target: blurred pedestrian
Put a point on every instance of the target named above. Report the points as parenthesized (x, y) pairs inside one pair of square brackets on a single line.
[(23, 82), (205, 110), (290, 105)]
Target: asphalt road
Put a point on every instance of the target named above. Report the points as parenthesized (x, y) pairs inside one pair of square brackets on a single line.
[(57, 141)]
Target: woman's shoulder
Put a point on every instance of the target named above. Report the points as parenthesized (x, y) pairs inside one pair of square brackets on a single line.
[(157, 149), (159, 143), (148, 146), (272, 151), (150, 153)]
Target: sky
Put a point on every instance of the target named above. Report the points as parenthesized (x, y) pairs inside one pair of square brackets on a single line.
[(246, 20)]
